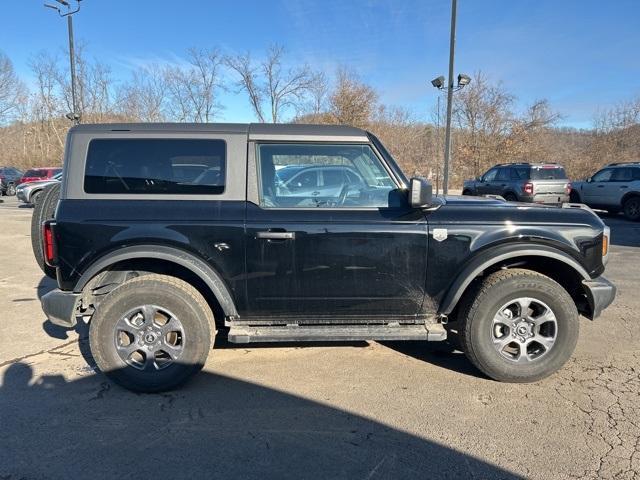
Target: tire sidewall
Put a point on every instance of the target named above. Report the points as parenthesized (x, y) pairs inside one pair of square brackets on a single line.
[(480, 328), (626, 206), (197, 333)]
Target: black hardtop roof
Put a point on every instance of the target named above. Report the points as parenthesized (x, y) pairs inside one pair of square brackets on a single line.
[(254, 130)]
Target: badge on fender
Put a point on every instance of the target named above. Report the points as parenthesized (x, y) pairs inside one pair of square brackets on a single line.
[(440, 234)]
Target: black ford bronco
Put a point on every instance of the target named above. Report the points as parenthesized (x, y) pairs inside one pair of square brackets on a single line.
[(165, 235)]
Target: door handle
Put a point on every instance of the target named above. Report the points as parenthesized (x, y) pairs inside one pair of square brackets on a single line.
[(624, 186), (600, 186), (276, 235)]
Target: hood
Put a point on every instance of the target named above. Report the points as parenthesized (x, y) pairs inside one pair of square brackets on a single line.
[(494, 209)]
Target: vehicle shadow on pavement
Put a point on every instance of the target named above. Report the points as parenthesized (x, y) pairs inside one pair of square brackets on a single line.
[(45, 285), (442, 354), (213, 427)]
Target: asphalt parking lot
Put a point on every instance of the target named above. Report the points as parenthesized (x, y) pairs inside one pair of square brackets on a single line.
[(363, 410)]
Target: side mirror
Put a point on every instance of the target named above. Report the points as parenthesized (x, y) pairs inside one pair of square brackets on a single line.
[(420, 192), (588, 179), (478, 178)]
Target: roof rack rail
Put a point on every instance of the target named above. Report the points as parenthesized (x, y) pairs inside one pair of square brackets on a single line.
[(614, 164), (511, 163), (524, 163)]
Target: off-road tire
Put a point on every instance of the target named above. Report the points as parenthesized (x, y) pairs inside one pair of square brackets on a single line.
[(44, 209), (172, 294), (631, 208), (510, 197), (484, 300), (467, 192)]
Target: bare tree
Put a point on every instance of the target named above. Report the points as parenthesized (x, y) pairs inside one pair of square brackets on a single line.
[(144, 97), (352, 102), (318, 94), (248, 81), (193, 89), (270, 86), (12, 90)]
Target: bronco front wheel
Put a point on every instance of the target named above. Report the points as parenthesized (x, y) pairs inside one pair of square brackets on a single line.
[(518, 326), (151, 333)]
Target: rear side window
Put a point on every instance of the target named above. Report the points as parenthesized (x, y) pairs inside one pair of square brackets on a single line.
[(520, 173), (548, 172), (156, 166), (503, 174), (622, 175)]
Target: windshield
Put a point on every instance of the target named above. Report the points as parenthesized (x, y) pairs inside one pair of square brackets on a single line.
[(548, 172)]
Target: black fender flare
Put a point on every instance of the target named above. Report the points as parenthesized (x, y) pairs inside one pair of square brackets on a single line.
[(495, 255), (202, 269)]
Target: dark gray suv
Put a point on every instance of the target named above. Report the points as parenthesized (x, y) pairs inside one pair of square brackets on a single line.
[(523, 182)]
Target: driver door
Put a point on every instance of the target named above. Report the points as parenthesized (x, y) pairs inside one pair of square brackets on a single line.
[(357, 250), (486, 184), (594, 191)]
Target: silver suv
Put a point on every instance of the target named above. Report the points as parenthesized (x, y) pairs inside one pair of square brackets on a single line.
[(614, 188), (523, 182)]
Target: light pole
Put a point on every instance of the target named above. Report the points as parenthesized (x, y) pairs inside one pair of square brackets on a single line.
[(74, 115), (463, 80)]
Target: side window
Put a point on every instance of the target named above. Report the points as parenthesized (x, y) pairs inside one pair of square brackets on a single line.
[(504, 174), (304, 179), (155, 166), (323, 176), (602, 175), (636, 173), (490, 176), (622, 175)]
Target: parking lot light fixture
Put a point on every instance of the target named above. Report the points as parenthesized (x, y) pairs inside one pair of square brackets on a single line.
[(69, 12)]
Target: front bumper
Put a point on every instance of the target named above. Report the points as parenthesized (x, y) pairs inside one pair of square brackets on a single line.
[(600, 294), (21, 194), (60, 307)]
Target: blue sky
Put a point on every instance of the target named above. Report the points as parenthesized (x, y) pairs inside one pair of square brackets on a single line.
[(581, 55)]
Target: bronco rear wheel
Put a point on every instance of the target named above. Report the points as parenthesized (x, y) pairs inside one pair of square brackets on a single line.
[(518, 326), (152, 333)]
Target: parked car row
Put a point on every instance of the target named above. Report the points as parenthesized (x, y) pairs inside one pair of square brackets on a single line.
[(615, 188), (30, 192), (11, 178)]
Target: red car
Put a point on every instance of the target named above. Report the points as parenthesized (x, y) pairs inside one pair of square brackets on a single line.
[(35, 174)]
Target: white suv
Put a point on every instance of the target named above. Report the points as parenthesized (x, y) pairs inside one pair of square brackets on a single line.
[(614, 188)]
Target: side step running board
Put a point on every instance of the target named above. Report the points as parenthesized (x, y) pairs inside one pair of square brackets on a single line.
[(313, 333)]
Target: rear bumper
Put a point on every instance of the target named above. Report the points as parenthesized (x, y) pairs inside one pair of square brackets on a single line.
[(546, 198), (600, 294), (60, 307)]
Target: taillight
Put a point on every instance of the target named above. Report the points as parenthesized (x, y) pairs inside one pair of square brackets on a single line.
[(528, 188), (48, 246)]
